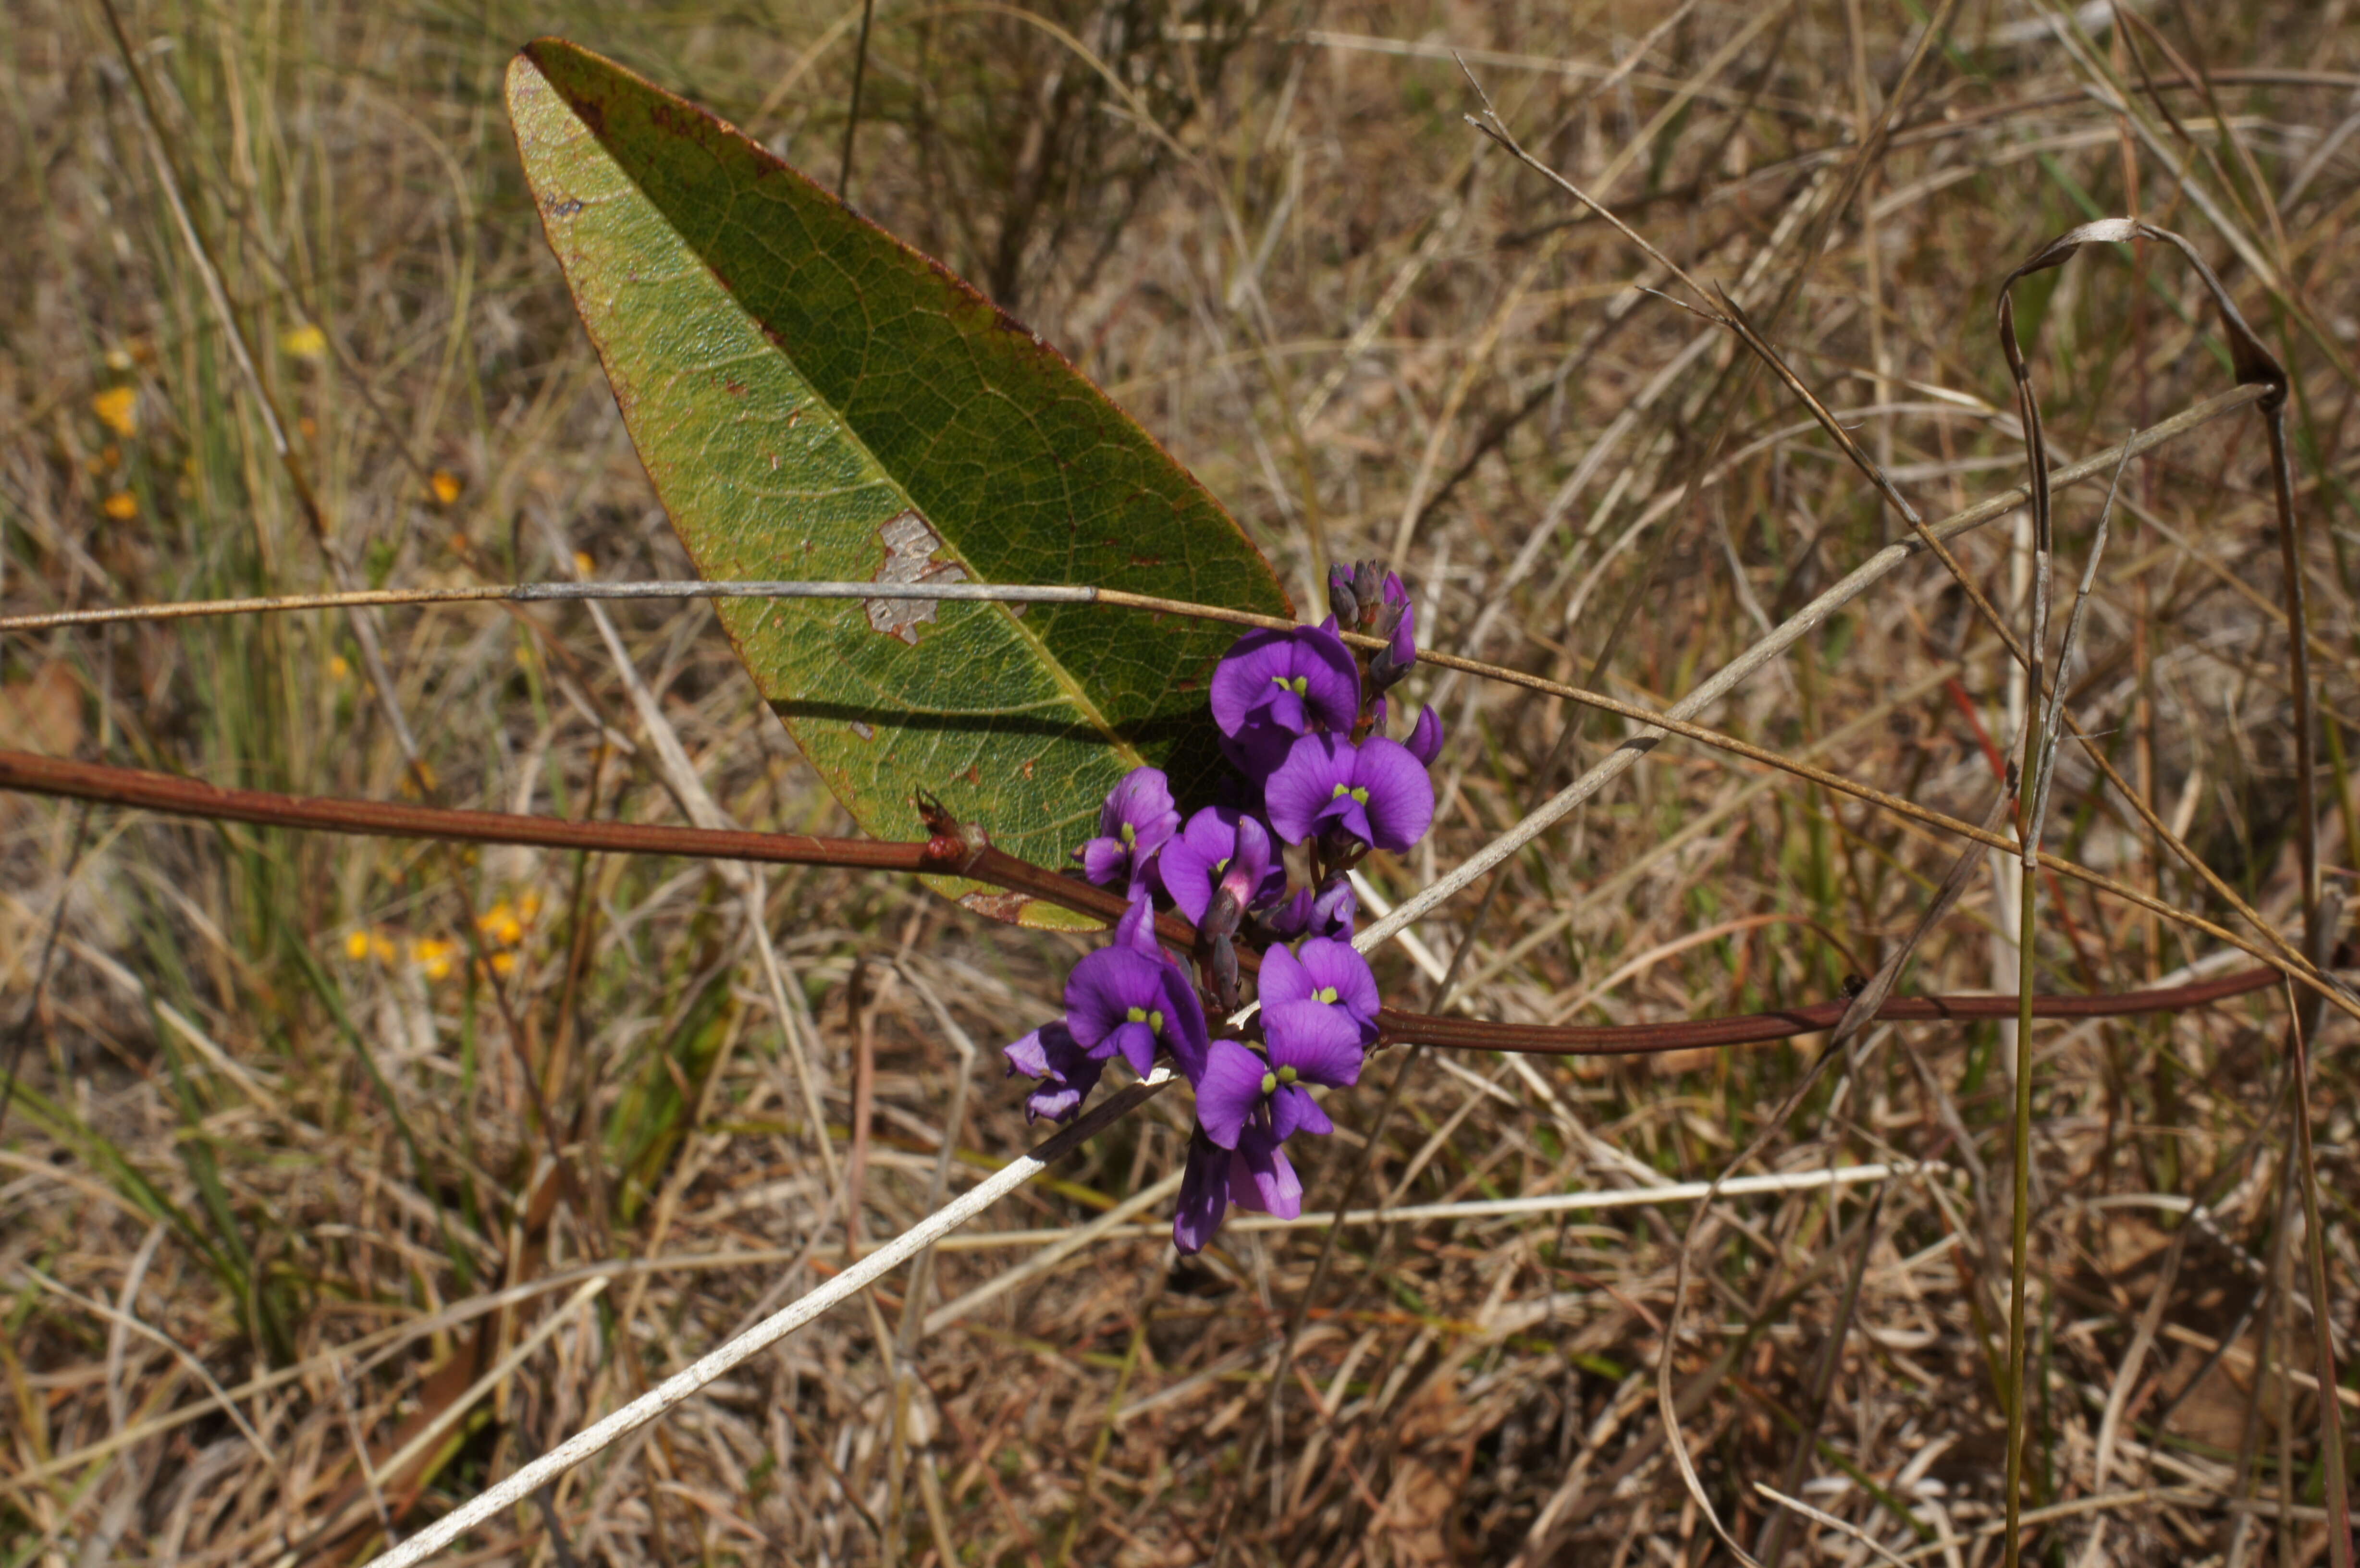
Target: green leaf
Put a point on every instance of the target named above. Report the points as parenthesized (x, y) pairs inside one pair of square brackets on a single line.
[(815, 399)]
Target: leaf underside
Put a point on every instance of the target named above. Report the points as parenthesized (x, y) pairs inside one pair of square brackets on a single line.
[(815, 399)]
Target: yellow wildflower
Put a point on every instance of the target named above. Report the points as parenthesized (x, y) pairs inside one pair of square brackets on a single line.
[(306, 342), (122, 506), (500, 923), (356, 946), (445, 484), (118, 409)]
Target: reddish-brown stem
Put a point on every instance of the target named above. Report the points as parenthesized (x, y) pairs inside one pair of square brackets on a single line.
[(950, 851)]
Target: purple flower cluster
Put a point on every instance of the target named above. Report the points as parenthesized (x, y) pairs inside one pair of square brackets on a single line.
[(1302, 717)]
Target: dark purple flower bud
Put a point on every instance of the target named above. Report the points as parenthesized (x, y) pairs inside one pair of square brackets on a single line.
[(1329, 910), (1066, 1072), (1221, 848), (1366, 589), (1222, 960), (1121, 1001), (1333, 909), (1329, 975), (1222, 916), (1272, 686), (1137, 820), (1341, 599), (1375, 793), (1425, 738), (1255, 1175), (1398, 626)]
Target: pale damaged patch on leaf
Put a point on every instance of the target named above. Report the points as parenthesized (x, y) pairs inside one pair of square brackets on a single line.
[(911, 546)]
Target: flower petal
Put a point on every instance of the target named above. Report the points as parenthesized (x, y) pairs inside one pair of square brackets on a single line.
[(1204, 1194), (1426, 736), (1137, 1044), (1136, 930), (1323, 1044), (1143, 800), (1401, 795), (1104, 861), (1293, 1110), (1262, 1178), (1184, 1023), (1103, 989), (1283, 979), (1029, 1055), (1329, 965), (1229, 1093), (1304, 784)]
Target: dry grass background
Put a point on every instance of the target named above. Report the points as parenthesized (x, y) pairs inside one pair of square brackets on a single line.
[(272, 1136)]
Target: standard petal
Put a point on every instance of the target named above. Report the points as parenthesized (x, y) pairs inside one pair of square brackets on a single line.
[(1230, 1090), (1144, 800), (1293, 1110), (1331, 681), (1401, 795), (1204, 1194), (1323, 1044), (1332, 965), (1303, 784), (1283, 978), (1190, 863), (1103, 989), (1246, 676)]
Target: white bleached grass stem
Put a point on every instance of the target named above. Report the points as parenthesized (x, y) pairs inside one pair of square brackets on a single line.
[(684, 1384)]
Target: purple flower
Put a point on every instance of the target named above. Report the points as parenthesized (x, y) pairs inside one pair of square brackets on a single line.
[(1221, 848), (1376, 792), (1327, 975), (1137, 820), (1327, 911), (1067, 1073), (1244, 1092), (1121, 1001), (1254, 1175), (1272, 686), (1425, 738)]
